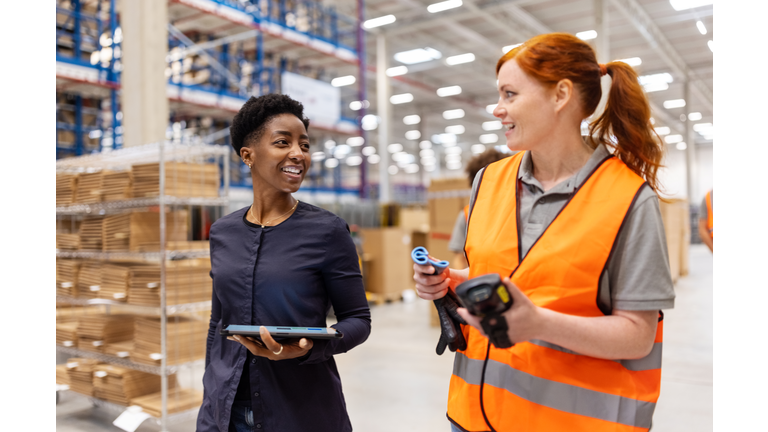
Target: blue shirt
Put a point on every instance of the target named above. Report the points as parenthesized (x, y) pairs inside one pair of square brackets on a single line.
[(287, 275)]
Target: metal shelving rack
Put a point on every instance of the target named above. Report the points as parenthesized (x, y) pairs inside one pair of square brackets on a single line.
[(122, 159)]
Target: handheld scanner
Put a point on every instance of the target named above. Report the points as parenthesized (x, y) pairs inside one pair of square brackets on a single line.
[(421, 257)]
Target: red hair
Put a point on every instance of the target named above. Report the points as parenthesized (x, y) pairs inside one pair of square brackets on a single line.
[(550, 58)]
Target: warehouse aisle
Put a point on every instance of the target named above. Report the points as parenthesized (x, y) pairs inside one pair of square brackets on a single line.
[(395, 381)]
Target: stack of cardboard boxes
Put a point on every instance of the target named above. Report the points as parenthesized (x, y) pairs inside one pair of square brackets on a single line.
[(677, 225)]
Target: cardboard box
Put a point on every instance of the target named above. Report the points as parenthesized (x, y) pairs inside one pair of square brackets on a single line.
[(414, 219), (447, 198), (389, 250), (676, 219)]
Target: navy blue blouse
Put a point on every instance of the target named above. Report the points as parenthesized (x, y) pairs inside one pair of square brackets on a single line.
[(287, 275)]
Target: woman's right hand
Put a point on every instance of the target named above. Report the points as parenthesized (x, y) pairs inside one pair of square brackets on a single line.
[(432, 287)]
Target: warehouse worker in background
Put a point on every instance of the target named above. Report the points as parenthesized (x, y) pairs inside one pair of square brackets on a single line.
[(459, 234), (705, 220), (574, 229), (283, 263)]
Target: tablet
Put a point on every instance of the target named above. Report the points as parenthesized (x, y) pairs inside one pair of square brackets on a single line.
[(282, 332)]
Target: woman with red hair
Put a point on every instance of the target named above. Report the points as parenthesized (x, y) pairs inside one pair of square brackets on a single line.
[(572, 225)]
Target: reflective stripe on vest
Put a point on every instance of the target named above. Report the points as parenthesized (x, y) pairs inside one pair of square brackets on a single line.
[(538, 386), (709, 213)]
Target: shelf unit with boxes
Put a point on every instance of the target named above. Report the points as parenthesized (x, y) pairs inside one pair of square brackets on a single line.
[(132, 273)]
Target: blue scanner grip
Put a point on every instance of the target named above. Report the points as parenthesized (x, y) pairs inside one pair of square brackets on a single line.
[(421, 256)]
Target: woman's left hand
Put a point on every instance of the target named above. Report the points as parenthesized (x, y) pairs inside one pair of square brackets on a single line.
[(523, 318), (267, 347)]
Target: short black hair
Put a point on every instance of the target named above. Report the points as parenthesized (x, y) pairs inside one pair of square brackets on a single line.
[(249, 123)]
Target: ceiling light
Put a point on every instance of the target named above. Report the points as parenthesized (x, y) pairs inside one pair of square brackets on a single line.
[(449, 91), (709, 44), (369, 122), (694, 116), (674, 103), (343, 81), (412, 169), (428, 161), (477, 148), (453, 165), (445, 5), (341, 151), (662, 130), (368, 150), (489, 108), (632, 61), (459, 59), (660, 86), (679, 5), (655, 78), (354, 160), (318, 156), (701, 27), (401, 98), (392, 170), (425, 144), (453, 114), (355, 141), (395, 148), (397, 71), (355, 105), (492, 125), (374, 159), (412, 119), (681, 146), (412, 135), (586, 35), (453, 158), (330, 144), (455, 129), (427, 153), (488, 138), (508, 48), (380, 21), (331, 163), (446, 139), (672, 139), (453, 151), (418, 55)]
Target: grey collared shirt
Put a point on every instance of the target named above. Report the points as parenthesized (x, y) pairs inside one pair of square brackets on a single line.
[(637, 276)]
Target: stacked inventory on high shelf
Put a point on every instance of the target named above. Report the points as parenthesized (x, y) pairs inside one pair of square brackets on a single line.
[(132, 285)]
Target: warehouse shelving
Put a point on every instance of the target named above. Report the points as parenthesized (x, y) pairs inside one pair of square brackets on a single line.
[(116, 409), (122, 159)]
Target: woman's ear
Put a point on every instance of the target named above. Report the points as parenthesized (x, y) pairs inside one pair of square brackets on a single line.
[(563, 93), (246, 154)]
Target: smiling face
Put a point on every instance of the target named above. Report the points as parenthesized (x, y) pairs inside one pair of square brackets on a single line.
[(280, 157), (526, 108)]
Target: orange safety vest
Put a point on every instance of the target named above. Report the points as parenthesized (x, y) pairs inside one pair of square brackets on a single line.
[(709, 213), (535, 385), (466, 212)]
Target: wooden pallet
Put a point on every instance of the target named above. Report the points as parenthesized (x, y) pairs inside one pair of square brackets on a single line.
[(381, 298)]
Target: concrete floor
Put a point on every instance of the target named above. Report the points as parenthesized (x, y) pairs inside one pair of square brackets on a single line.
[(395, 381)]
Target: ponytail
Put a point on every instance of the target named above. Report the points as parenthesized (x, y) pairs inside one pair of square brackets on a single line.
[(627, 117)]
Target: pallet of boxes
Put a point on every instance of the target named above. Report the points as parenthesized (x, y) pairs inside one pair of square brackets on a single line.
[(675, 215), (109, 280)]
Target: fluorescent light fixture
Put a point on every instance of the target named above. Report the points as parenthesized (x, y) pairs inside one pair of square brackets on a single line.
[(418, 55), (426, 144), (427, 153), (355, 141), (374, 159), (445, 5), (392, 170), (694, 116), (401, 98), (509, 48), (477, 148), (412, 169), (455, 129), (358, 105), (453, 114), (446, 139), (453, 151), (492, 125), (662, 130), (343, 81), (586, 35), (632, 61), (94, 134), (369, 122), (488, 138), (709, 44), (489, 108), (368, 150), (395, 148), (412, 119), (672, 139), (397, 71), (330, 144), (459, 59), (427, 161), (674, 103), (681, 146), (705, 129), (331, 163), (318, 156), (412, 135), (449, 91), (655, 78), (654, 87), (679, 5), (341, 151), (354, 160), (453, 165), (380, 21), (702, 28), (453, 158)]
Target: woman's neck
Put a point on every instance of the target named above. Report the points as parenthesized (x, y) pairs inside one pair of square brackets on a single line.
[(269, 205), (559, 159)]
